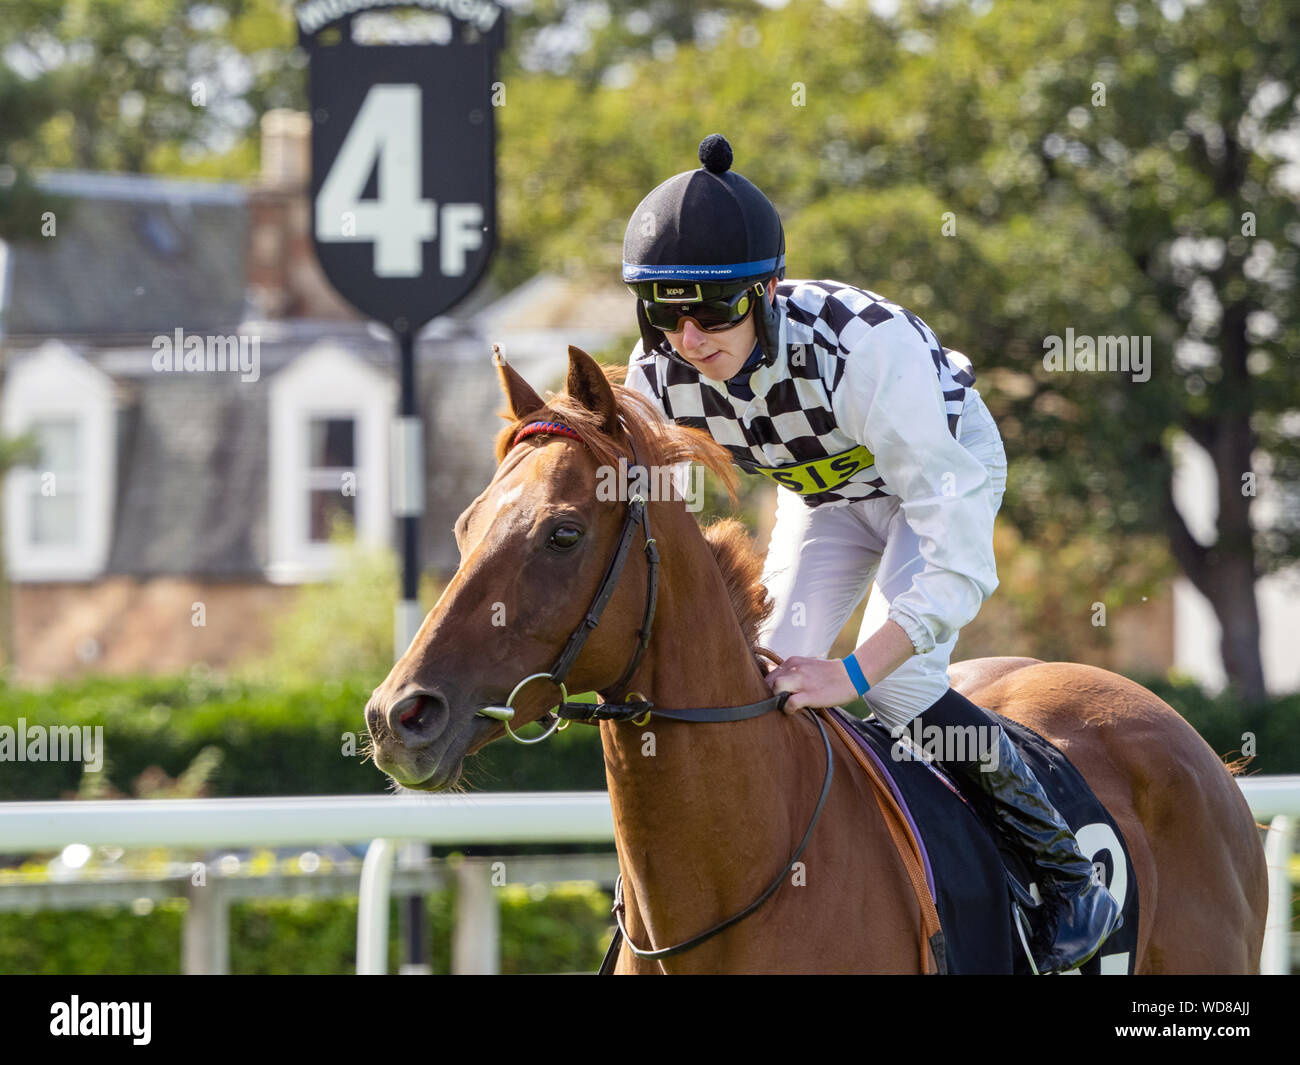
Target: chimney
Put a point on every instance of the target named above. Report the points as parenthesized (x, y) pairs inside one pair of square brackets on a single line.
[(284, 278), (286, 150)]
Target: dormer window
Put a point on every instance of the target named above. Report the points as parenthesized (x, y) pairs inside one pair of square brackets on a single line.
[(331, 468), (58, 509), (55, 489), (330, 414)]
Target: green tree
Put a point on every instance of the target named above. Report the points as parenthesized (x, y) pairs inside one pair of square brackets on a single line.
[(1010, 172), (169, 87), (1130, 179)]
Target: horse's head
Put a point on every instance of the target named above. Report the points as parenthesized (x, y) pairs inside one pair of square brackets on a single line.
[(534, 547)]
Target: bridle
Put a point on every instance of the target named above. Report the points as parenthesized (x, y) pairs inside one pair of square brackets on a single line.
[(639, 710), (637, 514)]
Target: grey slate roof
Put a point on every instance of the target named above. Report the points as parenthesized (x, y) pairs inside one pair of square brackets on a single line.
[(131, 255)]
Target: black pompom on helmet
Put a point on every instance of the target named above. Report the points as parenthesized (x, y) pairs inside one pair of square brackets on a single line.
[(710, 228)]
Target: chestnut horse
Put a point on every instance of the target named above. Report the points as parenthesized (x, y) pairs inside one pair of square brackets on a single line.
[(706, 813)]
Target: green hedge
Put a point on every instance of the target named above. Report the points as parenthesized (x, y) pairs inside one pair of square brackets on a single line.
[(560, 928), (274, 741), (289, 740)]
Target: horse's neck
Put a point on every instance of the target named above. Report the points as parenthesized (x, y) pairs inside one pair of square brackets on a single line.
[(698, 655), (705, 811)]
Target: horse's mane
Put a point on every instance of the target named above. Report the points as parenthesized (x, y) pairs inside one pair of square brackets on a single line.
[(741, 567), (659, 442)]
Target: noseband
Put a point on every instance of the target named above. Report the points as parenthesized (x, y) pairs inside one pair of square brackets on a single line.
[(640, 709)]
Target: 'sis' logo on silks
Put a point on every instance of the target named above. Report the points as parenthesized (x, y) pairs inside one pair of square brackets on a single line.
[(820, 475)]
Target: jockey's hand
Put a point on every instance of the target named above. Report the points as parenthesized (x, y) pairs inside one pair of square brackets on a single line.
[(812, 682)]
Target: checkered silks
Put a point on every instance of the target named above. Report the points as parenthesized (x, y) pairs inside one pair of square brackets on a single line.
[(792, 419)]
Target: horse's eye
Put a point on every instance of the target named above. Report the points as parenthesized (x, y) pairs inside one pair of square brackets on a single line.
[(565, 537)]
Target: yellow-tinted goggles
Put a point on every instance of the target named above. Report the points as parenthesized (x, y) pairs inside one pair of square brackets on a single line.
[(673, 304)]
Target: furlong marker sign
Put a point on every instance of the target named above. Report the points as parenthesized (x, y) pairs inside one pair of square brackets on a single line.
[(403, 193), (403, 178)]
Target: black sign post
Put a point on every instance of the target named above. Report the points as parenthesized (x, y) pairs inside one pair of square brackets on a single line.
[(403, 188)]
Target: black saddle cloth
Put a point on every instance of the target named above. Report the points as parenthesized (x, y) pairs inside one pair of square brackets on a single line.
[(976, 881)]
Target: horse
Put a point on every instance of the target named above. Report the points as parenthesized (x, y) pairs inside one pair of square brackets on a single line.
[(706, 811)]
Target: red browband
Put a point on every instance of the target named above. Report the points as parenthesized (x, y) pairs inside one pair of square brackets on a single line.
[(554, 428)]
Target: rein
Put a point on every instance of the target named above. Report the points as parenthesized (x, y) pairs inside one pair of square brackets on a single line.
[(639, 710)]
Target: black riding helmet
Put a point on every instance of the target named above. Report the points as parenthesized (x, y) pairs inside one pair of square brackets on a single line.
[(711, 230)]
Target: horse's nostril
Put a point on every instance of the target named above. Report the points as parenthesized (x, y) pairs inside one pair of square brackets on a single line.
[(418, 718)]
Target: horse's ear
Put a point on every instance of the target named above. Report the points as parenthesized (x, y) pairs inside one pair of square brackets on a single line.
[(589, 386), (519, 393)]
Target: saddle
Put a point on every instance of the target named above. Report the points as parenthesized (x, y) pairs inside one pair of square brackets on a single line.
[(978, 900)]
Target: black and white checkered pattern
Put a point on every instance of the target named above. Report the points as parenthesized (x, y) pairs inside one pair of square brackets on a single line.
[(792, 421)]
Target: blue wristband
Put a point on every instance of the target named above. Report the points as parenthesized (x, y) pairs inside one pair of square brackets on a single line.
[(856, 675)]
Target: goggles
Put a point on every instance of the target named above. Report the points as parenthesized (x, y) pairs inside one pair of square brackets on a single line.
[(672, 302)]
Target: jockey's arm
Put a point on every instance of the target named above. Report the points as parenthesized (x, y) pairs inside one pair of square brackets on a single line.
[(891, 397)]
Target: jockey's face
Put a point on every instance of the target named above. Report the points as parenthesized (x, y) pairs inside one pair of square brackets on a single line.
[(718, 356)]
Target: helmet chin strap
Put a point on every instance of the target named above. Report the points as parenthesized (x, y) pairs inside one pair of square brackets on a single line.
[(767, 327)]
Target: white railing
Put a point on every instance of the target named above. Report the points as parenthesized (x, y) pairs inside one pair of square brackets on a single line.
[(459, 819), (483, 817), (380, 820)]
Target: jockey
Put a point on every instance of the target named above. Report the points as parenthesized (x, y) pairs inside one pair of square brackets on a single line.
[(890, 468)]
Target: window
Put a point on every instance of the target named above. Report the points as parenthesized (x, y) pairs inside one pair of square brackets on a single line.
[(330, 474), (56, 486), (58, 514), (329, 413)]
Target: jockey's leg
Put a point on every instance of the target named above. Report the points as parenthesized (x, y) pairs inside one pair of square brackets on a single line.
[(1079, 913), (818, 565)]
